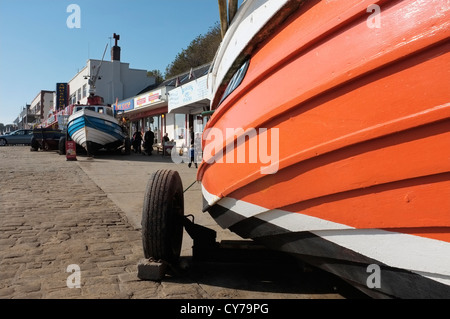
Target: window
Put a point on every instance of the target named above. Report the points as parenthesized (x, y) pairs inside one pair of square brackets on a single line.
[(180, 125), (79, 95), (235, 80), (84, 90)]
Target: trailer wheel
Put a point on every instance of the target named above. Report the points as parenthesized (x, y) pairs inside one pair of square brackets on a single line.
[(45, 146), (162, 216), (34, 146), (62, 145)]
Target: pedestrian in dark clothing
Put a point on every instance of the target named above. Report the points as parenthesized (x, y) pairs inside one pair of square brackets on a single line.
[(192, 148), (191, 135), (191, 155), (149, 138), (137, 141)]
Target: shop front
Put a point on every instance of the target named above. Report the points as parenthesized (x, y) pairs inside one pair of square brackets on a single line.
[(148, 112), (186, 104)]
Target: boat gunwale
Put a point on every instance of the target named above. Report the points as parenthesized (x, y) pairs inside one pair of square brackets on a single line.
[(400, 54), (271, 23), (351, 15)]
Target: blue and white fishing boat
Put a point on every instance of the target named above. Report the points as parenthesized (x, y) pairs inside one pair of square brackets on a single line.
[(94, 127)]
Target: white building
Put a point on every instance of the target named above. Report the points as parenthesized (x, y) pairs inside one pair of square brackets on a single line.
[(41, 105), (115, 80)]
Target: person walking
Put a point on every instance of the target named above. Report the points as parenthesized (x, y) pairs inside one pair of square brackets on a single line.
[(192, 148), (149, 139), (137, 141), (192, 156)]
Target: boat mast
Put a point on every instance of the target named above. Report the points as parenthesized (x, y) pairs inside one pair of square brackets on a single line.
[(232, 9), (93, 99), (223, 17), (93, 80), (227, 17)]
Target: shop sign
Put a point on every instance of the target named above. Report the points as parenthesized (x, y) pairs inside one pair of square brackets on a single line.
[(125, 105), (188, 93), (147, 98), (62, 95)]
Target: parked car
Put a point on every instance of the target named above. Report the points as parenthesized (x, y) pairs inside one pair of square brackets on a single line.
[(17, 137), (46, 139)]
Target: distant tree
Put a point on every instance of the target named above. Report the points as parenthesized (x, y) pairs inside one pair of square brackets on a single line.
[(2, 128), (157, 74), (200, 51)]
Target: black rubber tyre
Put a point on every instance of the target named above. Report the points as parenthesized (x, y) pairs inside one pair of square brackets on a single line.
[(45, 146), (62, 145), (34, 146), (162, 216)]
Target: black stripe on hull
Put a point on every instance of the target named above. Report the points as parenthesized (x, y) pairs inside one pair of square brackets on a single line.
[(343, 262)]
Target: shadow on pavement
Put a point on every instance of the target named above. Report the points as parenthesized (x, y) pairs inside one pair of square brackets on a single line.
[(284, 276)]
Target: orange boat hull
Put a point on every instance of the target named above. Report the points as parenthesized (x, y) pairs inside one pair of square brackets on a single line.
[(358, 122)]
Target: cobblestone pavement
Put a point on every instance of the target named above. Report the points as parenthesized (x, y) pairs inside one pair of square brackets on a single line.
[(52, 215)]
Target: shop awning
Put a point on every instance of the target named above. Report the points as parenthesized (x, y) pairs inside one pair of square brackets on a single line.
[(146, 104)]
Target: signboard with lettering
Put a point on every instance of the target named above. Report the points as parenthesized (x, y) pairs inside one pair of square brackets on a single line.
[(62, 95), (125, 105), (188, 93), (147, 98)]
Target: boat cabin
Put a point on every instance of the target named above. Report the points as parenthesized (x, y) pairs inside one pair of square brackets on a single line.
[(102, 109)]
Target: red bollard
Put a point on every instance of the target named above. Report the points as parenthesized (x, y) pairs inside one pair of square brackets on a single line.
[(71, 151)]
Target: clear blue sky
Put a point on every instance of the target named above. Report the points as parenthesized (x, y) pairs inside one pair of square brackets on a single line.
[(38, 50)]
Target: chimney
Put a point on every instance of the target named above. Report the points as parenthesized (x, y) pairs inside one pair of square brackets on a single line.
[(115, 50)]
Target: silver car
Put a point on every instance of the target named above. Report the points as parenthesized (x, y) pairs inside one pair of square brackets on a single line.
[(17, 137)]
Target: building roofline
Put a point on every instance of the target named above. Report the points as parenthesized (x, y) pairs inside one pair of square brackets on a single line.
[(173, 79), (42, 92)]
